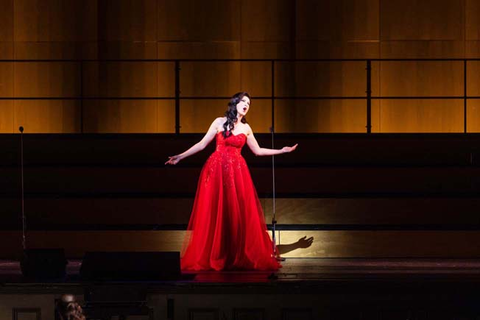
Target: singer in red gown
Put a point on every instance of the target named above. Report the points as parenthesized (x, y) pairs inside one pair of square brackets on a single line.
[(227, 228)]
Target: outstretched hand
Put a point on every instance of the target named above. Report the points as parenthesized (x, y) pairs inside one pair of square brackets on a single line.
[(304, 242), (289, 149), (173, 160)]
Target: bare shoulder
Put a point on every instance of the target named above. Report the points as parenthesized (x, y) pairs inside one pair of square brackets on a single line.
[(249, 129), (218, 122)]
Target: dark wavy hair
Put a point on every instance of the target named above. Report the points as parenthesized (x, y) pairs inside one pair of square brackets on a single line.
[(231, 113), (69, 310)]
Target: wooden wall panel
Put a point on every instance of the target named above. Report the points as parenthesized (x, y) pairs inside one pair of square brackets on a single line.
[(472, 49), (41, 116), (198, 115), (260, 116), (473, 118), (430, 49), (121, 116), (165, 116), (421, 116), (124, 79), (7, 117), (166, 79), (335, 20), (6, 77), (472, 19), (422, 20), (55, 21), (128, 20), (337, 49), (256, 78), (320, 116), (267, 20), (267, 50), (473, 78), (6, 20), (6, 50), (209, 79), (64, 50), (191, 20), (47, 79), (199, 50), (127, 50), (330, 79), (429, 78)]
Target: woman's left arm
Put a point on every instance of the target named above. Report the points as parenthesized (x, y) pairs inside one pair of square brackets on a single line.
[(258, 151)]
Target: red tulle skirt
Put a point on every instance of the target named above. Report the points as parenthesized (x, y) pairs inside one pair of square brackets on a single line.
[(227, 228)]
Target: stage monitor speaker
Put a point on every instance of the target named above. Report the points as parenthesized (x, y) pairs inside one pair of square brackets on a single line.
[(44, 264), (130, 266)]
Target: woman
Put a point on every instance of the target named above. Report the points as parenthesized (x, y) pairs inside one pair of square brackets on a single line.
[(227, 227)]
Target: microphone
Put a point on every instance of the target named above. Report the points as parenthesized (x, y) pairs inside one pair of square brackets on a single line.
[(20, 129)]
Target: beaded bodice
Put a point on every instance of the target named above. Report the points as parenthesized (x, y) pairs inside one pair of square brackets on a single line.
[(233, 143)]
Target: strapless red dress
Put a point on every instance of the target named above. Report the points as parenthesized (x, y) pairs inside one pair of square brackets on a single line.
[(227, 228)]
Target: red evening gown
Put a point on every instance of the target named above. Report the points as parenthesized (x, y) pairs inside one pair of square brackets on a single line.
[(227, 228)]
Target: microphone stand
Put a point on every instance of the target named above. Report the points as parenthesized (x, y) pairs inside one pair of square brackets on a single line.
[(24, 220), (274, 208), (274, 218)]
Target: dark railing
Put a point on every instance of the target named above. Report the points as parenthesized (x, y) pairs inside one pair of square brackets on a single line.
[(177, 98)]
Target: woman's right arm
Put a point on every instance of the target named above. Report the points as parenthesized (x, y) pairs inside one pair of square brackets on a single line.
[(199, 146)]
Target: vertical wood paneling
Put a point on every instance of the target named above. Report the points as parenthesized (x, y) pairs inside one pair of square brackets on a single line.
[(472, 19), (256, 78), (431, 115), (473, 79), (197, 115), (320, 116), (429, 78), (121, 116), (6, 116), (330, 79), (267, 50), (210, 79), (260, 116), (191, 20), (6, 20), (47, 79), (54, 29), (165, 116), (197, 79), (6, 76), (127, 79), (127, 50), (64, 50), (337, 20), (129, 20), (422, 20), (267, 20), (337, 50), (422, 49), (55, 20), (41, 116), (473, 119), (6, 50)]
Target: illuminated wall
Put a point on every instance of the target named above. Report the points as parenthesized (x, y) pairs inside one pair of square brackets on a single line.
[(264, 29)]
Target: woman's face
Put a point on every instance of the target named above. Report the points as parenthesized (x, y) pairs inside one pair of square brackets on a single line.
[(243, 106)]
